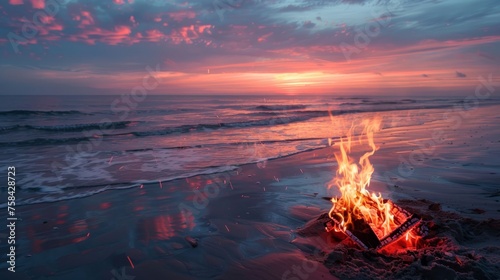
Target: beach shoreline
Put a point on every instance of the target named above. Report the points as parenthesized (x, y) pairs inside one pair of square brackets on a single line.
[(245, 221)]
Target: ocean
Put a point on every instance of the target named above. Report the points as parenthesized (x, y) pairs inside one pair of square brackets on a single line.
[(65, 147)]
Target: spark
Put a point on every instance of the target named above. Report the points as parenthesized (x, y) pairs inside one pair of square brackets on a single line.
[(130, 261), (227, 228), (161, 185), (231, 185), (110, 160), (142, 186), (301, 170)]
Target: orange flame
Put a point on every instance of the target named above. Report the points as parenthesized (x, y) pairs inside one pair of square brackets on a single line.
[(352, 179)]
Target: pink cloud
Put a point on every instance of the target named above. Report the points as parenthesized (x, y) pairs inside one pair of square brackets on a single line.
[(264, 37), (91, 33), (121, 2), (38, 4), (180, 15), (202, 28), (49, 24), (154, 35), (16, 2), (120, 34), (85, 19), (188, 33), (54, 27), (46, 19)]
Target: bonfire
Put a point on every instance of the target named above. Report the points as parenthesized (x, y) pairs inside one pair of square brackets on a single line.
[(366, 217)]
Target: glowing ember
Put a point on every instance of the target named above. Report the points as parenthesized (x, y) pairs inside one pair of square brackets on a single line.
[(130, 261), (367, 218)]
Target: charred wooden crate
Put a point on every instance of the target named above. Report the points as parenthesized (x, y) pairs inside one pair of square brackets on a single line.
[(364, 235)]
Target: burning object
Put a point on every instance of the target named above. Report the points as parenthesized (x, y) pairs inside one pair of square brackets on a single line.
[(368, 219), (362, 233)]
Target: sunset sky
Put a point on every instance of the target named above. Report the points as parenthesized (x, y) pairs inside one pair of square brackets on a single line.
[(435, 47)]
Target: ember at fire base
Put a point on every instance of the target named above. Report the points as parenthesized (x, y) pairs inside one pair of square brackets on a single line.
[(363, 235)]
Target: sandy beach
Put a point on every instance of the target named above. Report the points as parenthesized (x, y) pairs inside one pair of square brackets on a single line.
[(257, 222)]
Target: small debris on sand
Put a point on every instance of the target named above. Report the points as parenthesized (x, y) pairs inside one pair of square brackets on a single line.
[(192, 241)]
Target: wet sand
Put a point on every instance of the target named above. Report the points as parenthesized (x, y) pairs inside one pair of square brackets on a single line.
[(245, 222)]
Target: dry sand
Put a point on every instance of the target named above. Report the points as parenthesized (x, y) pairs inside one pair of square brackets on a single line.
[(246, 224)]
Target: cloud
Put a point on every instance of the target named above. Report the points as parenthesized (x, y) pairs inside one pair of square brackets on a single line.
[(295, 8), (38, 4), (181, 15), (16, 2), (261, 37), (309, 24)]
